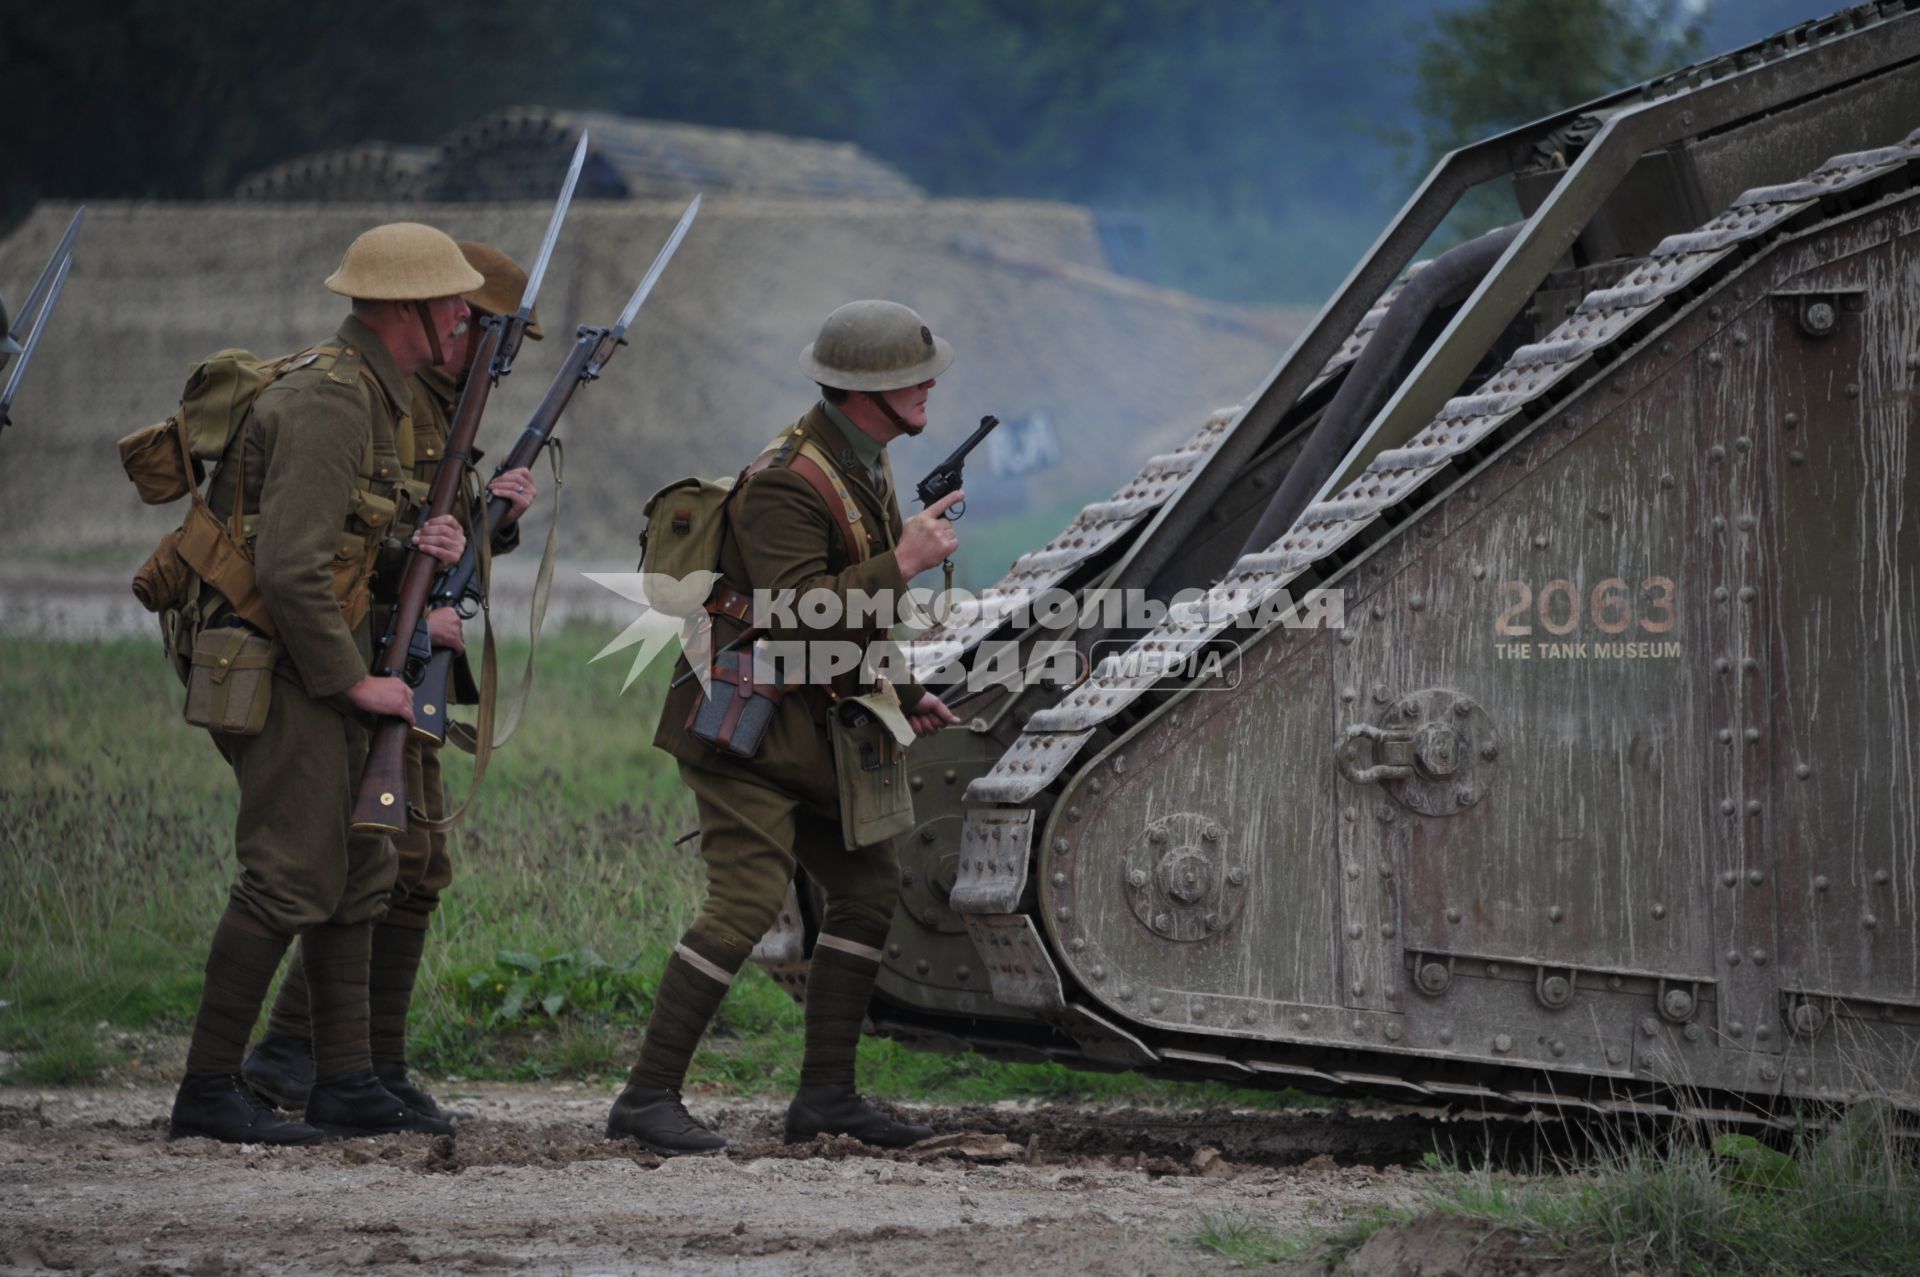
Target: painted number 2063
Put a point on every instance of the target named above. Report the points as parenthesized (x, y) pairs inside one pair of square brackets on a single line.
[(1612, 607)]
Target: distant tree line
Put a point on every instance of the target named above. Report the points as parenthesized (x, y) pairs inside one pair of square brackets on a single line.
[(1246, 133)]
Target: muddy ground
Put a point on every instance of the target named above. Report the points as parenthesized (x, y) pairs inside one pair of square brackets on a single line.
[(89, 1183)]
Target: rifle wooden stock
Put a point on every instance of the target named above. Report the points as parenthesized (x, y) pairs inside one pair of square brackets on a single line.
[(381, 803)]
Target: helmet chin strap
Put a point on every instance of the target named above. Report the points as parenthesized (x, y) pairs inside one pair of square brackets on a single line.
[(425, 312), (879, 399)]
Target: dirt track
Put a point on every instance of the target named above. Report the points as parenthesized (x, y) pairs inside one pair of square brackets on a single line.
[(89, 1183)]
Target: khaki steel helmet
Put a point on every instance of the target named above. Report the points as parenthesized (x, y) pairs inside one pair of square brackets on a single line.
[(8, 346), (875, 345), (506, 283), (403, 261)]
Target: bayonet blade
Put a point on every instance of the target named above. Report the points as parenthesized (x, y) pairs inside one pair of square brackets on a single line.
[(61, 251), (539, 271), (32, 342), (659, 264)]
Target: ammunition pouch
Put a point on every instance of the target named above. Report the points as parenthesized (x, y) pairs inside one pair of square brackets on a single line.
[(230, 680), (159, 464), (735, 711), (870, 736)]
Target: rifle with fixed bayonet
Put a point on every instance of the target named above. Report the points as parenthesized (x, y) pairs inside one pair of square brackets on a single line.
[(381, 803), (460, 587), (31, 321)]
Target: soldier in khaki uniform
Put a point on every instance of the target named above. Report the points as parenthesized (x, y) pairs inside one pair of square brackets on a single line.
[(875, 362), (316, 469), (280, 1066)]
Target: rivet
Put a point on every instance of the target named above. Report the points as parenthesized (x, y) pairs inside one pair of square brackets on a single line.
[(1728, 877), (1666, 348), (1802, 770), (1303, 1020), (1099, 973), (1385, 813), (1615, 983), (1073, 814), (1359, 1028), (1753, 735), (1353, 870), (1666, 481), (1540, 541), (1721, 665), (1713, 359), (1733, 957), (1248, 1017), (1136, 877), (1796, 457), (1465, 797), (1869, 922), (1453, 916), (1735, 1029), (962, 973), (1212, 834), (1502, 1043), (1853, 390), (1386, 930), (1489, 751), (1078, 944), (1358, 989), (893, 951), (1649, 1026), (1719, 524), (1747, 521), (1762, 1034), (1163, 922), (1156, 1004), (1615, 1055), (1880, 877), (1820, 882), (1353, 932), (1386, 870), (1379, 611), (1126, 993), (1803, 1074), (1727, 806), (1213, 922), (1720, 594), (1061, 846), (1557, 1047), (1756, 877), (1742, 443), (1156, 835), (1493, 968), (918, 782), (1726, 736), (1197, 1010), (1555, 913), (1693, 1032), (1746, 594), (1347, 637), (922, 966), (1753, 806), (1059, 880), (1759, 957), (1658, 912), (1716, 453), (1393, 1032), (1093, 786), (1478, 572), (1417, 602), (1446, 1037), (1348, 695), (1236, 876), (1380, 694), (950, 775)]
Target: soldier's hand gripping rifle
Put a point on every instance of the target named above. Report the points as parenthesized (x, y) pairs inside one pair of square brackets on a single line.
[(459, 587), (381, 803), (31, 319), (942, 480)]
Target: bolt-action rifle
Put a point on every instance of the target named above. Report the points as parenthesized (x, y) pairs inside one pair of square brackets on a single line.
[(381, 803), (460, 587)]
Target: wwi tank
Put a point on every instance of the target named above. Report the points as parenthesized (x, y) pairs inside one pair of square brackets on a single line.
[(1603, 796)]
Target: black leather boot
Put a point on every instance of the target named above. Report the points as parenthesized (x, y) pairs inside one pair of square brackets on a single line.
[(393, 1076), (656, 1117), (280, 1070), (832, 1108), (356, 1104), (221, 1108)]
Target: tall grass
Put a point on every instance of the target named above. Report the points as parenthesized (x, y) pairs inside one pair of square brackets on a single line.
[(116, 823)]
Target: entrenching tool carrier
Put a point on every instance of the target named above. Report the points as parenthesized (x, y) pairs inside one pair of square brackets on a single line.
[(1603, 796)]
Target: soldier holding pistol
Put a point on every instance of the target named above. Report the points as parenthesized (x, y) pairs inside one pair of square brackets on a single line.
[(316, 472), (816, 512), (280, 1066)]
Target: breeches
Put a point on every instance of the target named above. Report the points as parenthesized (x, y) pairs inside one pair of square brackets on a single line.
[(751, 837), (300, 864)]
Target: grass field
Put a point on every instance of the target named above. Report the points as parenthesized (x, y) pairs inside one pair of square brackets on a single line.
[(115, 847)]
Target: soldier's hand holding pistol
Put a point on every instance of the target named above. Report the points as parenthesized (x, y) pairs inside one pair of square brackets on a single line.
[(927, 538)]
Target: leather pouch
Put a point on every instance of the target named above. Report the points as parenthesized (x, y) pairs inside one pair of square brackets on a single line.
[(734, 714), (230, 680), (870, 737)]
